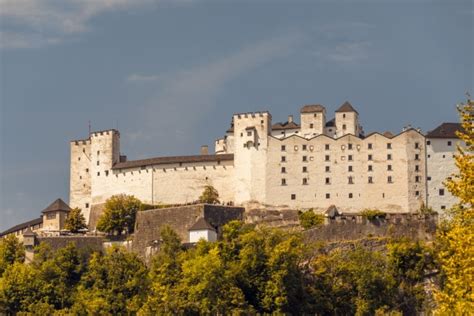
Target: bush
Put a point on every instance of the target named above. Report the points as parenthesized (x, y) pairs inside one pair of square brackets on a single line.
[(373, 214), (119, 214), (309, 219), (209, 195)]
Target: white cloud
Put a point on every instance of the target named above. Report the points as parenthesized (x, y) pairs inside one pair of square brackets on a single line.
[(351, 52), (184, 98), (33, 23), (140, 77)]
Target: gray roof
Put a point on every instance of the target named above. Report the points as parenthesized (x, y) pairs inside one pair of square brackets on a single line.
[(445, 130), (33, 222), (332, 211), (312, 108), (346, 107), (58, 205), (171, 160), (331, 123), (28, 232), (202, 224), (284, 126)]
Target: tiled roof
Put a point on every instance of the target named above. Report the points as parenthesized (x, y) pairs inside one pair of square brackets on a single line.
[(331, 123), (388, 134), (171, 160), (285, 125), (311, 108), (445, 130), (57, 205), (202, 224), (22, 226), (28, 232), (346, 107)]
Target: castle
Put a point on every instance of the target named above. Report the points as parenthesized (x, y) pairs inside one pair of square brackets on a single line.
[(314, 164)]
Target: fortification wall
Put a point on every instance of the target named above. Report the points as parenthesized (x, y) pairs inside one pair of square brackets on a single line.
[(86, 243)]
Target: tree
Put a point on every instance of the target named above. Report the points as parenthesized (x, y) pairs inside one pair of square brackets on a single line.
[(119, 214), (75, 221), (455, 239), (209, 195), (309, 219), (11, 251)]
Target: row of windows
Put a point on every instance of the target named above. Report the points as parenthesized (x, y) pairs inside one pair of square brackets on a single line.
[(350, 168), (349, 158), (450, 143), (350, 196), (343, 147), (349, 179)]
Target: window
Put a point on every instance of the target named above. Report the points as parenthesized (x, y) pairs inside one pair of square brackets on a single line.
[(311, 125), (305, 158), (344, 126), (417, 193), (106, 173), (283, 158), (304, 147), (417, 145), (328, 180), (349, 146), (441, 192), (328, 169), (83, 150), (241, 134), (98, 173), (350, 158), (428, 178), (417, 168), (328, 196), (296, 148), (283, 181), (343, 116), (79, 158), (305, 181), (370, 168), (351, 180), (283, 170), (449, 143), (327, 147), (305, 169), (327, 158), (417, 157), (293, 196), (370, 146), (350, 195), (98, 162), (87, 205), (370, 157), (389, 157), (389, 168), (98, 152), (428, 142), (350, 169), (389, 179), (371, 180), (51, 216), (283, 147), (417, 179), (389, 145), (443, 207)]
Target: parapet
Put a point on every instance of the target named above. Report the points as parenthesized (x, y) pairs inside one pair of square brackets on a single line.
[(252, 114)]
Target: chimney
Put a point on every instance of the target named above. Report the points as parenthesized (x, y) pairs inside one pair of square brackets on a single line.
[(290, 118), (204, 150)]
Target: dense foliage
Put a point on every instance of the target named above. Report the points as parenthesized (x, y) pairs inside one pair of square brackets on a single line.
[(209, 195), (372, 215), (75, 221), (309, 219), (119, 214)]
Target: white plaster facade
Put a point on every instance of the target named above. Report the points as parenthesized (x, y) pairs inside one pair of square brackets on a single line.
[(206, 234), (315, 165)]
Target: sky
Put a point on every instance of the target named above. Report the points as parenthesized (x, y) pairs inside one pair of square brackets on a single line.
[(170, 74)]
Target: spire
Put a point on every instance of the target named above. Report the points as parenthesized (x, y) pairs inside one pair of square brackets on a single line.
[(346, 107)]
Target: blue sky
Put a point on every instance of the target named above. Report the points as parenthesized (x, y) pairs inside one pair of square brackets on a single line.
[(169, 74)]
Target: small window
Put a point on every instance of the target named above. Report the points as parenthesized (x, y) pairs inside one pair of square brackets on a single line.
[(417, 179), (283, 181), (241, 134), (305, 158), (328, 196), (304, 147), (328, 180), (417, 193), (370, 146), (389, 179), (443, 207), (327, 158), (344, 127), (87, 169), (444, 156), (51, 216), (351, 180), (428, 178), (283, 158), (249, 133), (350, 195), (389, 168), (428, 142), (328, 169), (417, 157), (106, 173), (305, 181), (283, 147), (305, 169), (311, 125), (350, 169), (349, 146), (350, 157), (343, 116), (98, 173), (79, 158), (429, 156), (417, 145), (370, 157), (296, 148), (83, 150), (417, 168), (283, 170), (293, 196), (389, 157), (87, 205), (98, 152), (389, 145), (98, 162), (450, 143), (441, 192), (327, 146), (370, 168), (371, 180)]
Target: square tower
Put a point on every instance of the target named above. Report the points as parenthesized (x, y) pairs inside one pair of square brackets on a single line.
[(347, 121), (313, 120)]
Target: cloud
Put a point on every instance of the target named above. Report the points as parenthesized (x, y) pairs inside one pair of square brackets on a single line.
[(33, 23), (184, 98), (140, 77), (350, 52)]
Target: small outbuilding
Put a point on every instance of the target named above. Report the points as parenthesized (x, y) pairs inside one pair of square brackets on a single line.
[(202, 230), (54, 216)]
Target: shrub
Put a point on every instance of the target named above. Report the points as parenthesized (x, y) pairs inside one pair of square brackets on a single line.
[(309, 219), (209, 195), (373, 214)]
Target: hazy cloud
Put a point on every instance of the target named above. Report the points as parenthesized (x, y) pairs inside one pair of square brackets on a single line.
[(140, 77)]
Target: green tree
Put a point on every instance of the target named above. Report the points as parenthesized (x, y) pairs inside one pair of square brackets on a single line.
[(115, 283), (11, 251), (119, 214), (309, 219), (75, 221), (209, 195)]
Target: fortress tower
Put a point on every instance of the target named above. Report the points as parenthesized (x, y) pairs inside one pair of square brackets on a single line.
[(347, 121), (313, 120)]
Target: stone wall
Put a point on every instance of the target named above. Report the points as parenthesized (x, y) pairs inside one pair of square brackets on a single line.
[(87, 243), (180, 219)]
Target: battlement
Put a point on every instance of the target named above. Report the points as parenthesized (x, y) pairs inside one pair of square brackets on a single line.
[(106, 132), (252, 114)]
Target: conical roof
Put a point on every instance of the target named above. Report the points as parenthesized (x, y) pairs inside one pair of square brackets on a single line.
[(202, 224), (28, 232), (58, 205), (346, 107)]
